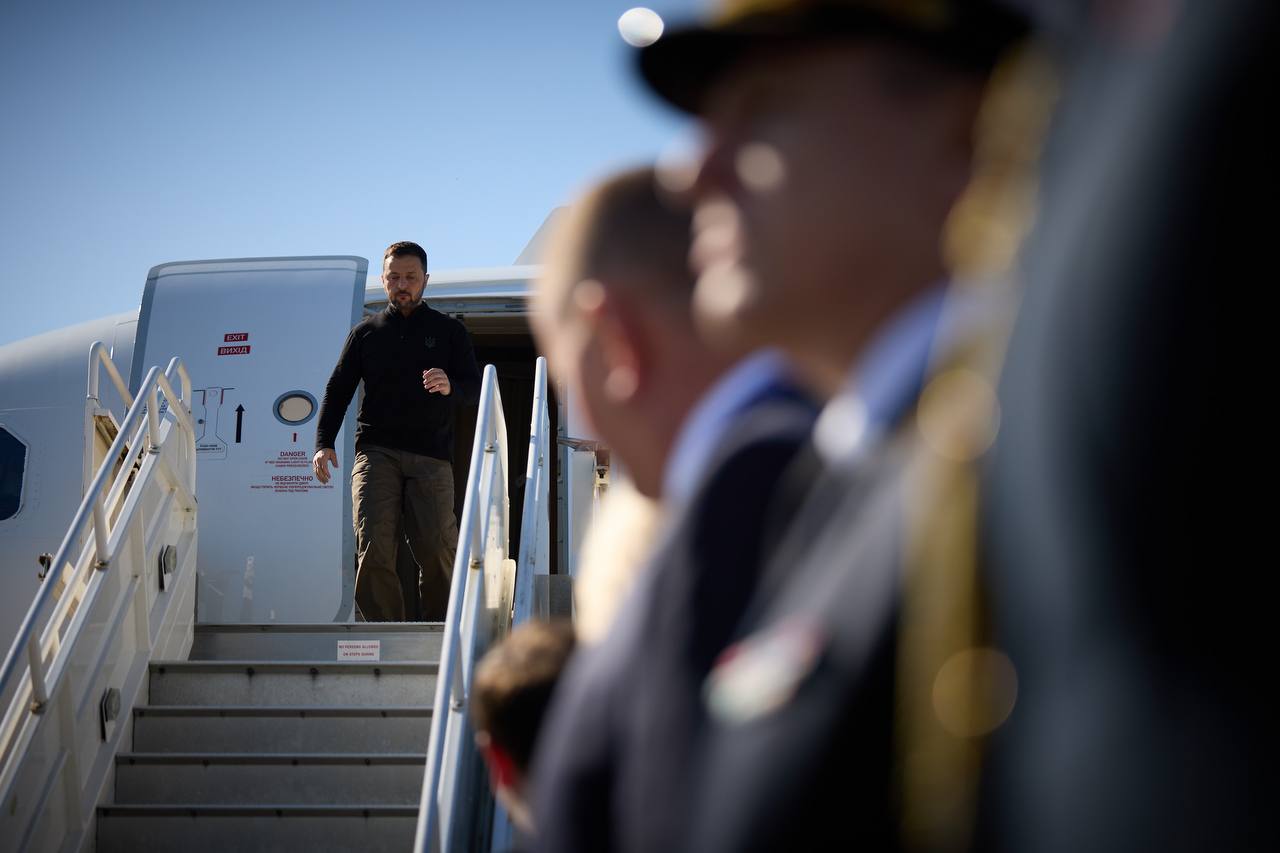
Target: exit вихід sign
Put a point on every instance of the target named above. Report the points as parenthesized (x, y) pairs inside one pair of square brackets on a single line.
[(233, 337)]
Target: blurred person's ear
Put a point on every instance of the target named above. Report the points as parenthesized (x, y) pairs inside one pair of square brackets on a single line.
[(623, 345)]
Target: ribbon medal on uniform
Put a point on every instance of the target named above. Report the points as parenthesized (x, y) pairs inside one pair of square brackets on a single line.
[(760, 674)]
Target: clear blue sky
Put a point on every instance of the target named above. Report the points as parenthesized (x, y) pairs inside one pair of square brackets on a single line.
[(133, 133)]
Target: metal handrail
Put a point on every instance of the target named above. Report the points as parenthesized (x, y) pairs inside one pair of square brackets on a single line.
[(535, 546), (453, 678), (483, 527), (534, 519), (99, 359), (105, 490)]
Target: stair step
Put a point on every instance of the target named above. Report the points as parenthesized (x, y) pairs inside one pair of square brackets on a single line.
[(255, 829), (408, 641), (292, 728), (251, 682), (250, 779)]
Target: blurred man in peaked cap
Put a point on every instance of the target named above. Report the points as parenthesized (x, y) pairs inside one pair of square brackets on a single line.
[(686, 63), (838, 138)]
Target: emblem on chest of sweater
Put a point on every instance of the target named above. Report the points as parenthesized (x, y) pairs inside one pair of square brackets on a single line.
[(430, 342)]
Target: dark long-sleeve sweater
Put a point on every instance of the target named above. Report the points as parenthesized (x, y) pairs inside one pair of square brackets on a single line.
[(389, 352)]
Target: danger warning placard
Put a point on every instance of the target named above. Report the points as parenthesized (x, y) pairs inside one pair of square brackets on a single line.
[(291, 473), (297, 483), (290, 459)]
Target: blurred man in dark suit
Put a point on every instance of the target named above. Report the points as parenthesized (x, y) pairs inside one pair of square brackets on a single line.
[(1127, 602), (705, 432)]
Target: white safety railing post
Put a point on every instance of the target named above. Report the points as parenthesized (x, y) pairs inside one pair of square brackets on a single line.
[(534, 556), (91, 406), (39, 690), (100, 531), (153, 420), (535, 518)]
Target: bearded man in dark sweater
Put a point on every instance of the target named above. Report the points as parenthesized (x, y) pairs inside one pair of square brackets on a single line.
[(417, 366)]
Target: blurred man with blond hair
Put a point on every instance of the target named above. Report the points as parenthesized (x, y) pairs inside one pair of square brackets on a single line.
[(706, 432)]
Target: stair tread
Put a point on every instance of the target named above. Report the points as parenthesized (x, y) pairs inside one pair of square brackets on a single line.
[(272, 757), (261, 809), (282, 711), (321, 628), (284, 665)]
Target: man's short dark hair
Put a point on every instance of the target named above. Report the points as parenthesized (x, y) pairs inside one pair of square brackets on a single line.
[(513, 685), (403, 248)]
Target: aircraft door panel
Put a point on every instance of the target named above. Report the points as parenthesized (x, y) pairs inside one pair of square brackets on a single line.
[(259, 338)]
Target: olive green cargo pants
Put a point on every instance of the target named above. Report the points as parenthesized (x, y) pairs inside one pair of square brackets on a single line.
[(395, 494)]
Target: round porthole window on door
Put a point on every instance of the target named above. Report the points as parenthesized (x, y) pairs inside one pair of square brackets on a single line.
[(295, 408)]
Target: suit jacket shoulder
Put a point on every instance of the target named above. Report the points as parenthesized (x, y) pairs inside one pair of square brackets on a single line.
[(800, 755), (612, 766)]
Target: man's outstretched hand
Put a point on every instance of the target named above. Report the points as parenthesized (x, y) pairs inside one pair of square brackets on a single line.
[(320, 463)]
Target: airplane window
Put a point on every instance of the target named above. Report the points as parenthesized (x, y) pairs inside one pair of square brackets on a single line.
[(13, 463), (295, 407)]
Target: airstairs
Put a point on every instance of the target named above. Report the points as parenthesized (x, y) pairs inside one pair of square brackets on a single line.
[(126, 726), (264, 740)]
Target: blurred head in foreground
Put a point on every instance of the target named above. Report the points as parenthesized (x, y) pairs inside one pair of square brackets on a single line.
[(838, 134), (612, 312), (512, 688)]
